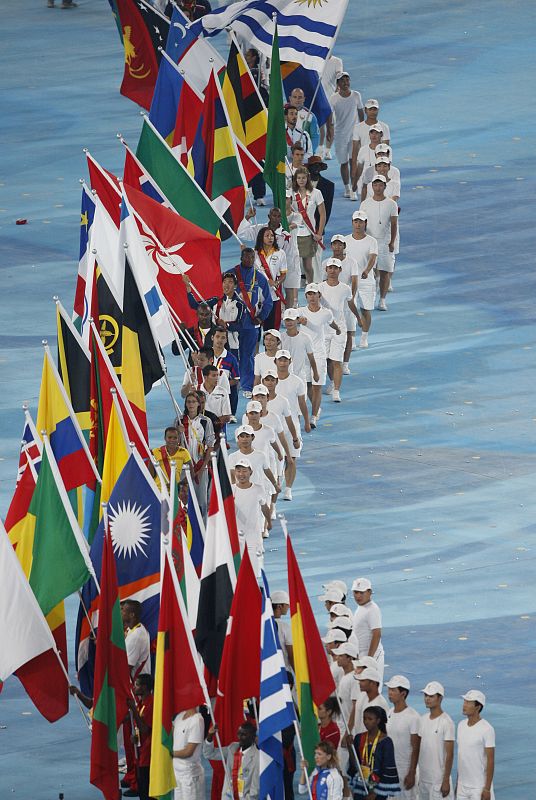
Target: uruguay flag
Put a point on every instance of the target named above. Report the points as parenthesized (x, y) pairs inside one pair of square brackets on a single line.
[(276, 709), (134, 515)]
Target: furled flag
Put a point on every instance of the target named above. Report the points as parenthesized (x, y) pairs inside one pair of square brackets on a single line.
[(134, 519), (112, 679), (174, 246), (276, 708), (74, 367), (295, 76), (28, 648), (236, 683), (215, 163), (308, 27), (56, 416), (30, 447), (175, 182), (276, 143), (218, 580), (180, 551), (246, 110), (189, 113), (177, 684), (106, 185), (314, 681), (81, 304), (222, 478), (116, 453), (195, 530), (144, 30), (29, 465)]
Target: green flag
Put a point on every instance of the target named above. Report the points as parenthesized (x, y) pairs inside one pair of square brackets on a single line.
[(276, 143), (176, 183)]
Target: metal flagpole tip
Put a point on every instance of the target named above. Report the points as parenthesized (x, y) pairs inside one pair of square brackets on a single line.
[(85, 150), (93, 252), (80, 180), (44, 342), (119, 135), (25, 406), (43, 432), (113, 391), (56, 299), (125, 245)]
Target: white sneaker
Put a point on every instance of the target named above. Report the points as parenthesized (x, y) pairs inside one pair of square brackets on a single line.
[(336, 396), (327, 155), (318, 413), (391, 287), (313, 421), (347, 192), (287, 494), (363, 342), (345, 369), (274, 513), (382, 305), (353, 196), (265, 534), (354, 344), (328, 388), (232, 421)]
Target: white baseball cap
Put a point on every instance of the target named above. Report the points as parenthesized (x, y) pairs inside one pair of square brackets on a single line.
[(334, 262), (376, 127), (366, 662), (338, 237), (475, 695), (383, 148), (346, 649), (360, 214), (244, 429), (334, 636), (361, 585), (283, 354), (312, 287), (337, 585), (398, 681), (291, 313), (369, 674), (260, 388), (340, 610), (332, 594), (382, 160), (372, 103), (342, 622), (271, 372), (243, 462), (342, 74), (280, 596), (379, 177), (253, 405), (274, 332), (434, 687)]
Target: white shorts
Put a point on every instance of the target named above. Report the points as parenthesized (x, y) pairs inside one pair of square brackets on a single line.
[(367, 295), (386, 262), (322, 367), (335, 346), (293, 277), (469, 793), (351, 321), (432, 791), (343, 150)]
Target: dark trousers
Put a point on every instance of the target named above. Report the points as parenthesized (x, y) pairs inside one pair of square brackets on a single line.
[(248, 338), (273, 320)]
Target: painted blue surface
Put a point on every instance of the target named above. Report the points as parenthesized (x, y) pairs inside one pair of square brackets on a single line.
[(423, 477)]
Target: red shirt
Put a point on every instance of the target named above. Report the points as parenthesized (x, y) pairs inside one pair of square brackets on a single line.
[(145, 710), (330, 733)]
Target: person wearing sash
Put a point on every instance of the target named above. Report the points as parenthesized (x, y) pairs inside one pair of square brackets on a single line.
[(272, 262), (142, 713), (204, 357), (254, 291), (199, 440), (294, 134), (227, 363), (227, 309), (242, 780), (170, 452), (376, 756), (326, 780), (305, 201), (200, 334)]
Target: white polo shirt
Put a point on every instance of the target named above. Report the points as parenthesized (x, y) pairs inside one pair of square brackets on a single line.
[(472, 743), (433, 734), (317, 327)]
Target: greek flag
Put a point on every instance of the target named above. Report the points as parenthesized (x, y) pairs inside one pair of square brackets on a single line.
[(276, 709), (307, 28)]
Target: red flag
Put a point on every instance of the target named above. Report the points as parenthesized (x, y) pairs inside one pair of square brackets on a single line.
[(226, 491), (112, 679), (141, 61), (188, 113), (107, 187), (189, 249), (240, 669)]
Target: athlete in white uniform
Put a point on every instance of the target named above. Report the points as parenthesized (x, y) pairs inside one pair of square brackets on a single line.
[(266, 360), (382, 223), (436, 754), (476, 751), (403, 724), (350, 276), (367, 626), (347, 111), (292, 388), (252, 513), (363, 248), (299, 345)]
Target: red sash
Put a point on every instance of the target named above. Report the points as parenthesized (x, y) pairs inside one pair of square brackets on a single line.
[(237, 763), (268, 272), (304, 216), (289, 138), (245, 294)]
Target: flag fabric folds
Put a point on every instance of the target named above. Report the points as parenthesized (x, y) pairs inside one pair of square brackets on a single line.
[(276, 708), (308, 28), (134, 520), (30, 447), (28, 648), (177, 685), (74, 367), (87, 214), (222, 479), (295, 76), (314, 681), (246, 110), (239, 675), (112, 679), (144, 31), (276, 143)]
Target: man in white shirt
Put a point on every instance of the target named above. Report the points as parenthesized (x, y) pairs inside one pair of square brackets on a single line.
[(382, 223), (347, 110), (279, 405), (367, 627), (306, 119), (367, 155), (350, 276), (436, 755), (137, 640), (332, 640), (476, 750), (345, 653), (403, 725), (317, 320), (337, 297), (188, 736), (369, 684), (392, 174), (259, 461), (281, 605), (299, 345), (361, 129), (292, 388), (266, 360), (251, 507), (294, 134), (363, 248), (217, 399)]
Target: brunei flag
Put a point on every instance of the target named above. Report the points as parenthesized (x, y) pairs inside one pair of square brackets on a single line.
[(214, 161), (246, 110), (314, 681), (177, 684)]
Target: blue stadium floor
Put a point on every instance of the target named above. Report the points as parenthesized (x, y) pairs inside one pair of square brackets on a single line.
[(423, 477)]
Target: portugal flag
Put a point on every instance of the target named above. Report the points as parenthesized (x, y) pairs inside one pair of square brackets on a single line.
[(314, 681), (112, 680)]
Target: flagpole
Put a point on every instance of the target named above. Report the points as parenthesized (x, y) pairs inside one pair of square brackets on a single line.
[(191, 489), (237, 45)]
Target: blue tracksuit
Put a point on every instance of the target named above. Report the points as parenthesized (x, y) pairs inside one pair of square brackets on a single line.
[(248, 333)]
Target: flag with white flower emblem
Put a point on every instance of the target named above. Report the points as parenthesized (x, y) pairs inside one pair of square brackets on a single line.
[(134, 519)]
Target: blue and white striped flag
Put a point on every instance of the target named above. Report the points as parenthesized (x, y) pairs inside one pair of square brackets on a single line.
[(306, 28), (276, 709)]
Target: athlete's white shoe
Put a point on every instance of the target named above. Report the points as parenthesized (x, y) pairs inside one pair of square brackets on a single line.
[(363, 342), (347, 192), (345, 369), (382, 305), (288, 494), (336, 396), (353, 196), (327, 155)]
